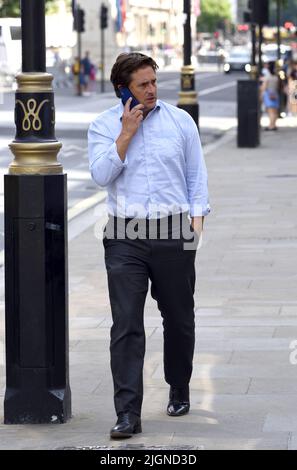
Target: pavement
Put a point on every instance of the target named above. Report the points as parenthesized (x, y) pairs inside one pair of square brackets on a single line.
[(244, 384)]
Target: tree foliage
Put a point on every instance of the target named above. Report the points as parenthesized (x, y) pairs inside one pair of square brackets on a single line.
[(214, 15), (11, 8)]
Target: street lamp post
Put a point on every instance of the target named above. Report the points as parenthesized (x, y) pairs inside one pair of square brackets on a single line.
[(103, 26), (260, 63), (278, 20), (254, 69), (35, 193), (188, 95)]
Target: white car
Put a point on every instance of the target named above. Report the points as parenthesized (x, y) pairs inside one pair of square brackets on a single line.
[(238, 59)]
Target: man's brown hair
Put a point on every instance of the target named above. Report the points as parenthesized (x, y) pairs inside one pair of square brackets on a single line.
[(125, 65)]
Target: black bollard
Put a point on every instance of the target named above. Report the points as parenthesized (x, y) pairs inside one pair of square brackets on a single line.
[(36, 273), (248, 113)]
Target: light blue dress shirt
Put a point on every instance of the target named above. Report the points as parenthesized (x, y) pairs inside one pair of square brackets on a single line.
[(164, 171)]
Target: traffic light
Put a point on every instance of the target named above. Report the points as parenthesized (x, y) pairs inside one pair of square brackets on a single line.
[(79, 20), (103, 16), (258, 12), (261, 11), (247, 15)]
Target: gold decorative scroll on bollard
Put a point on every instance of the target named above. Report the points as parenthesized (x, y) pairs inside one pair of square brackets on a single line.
[(35, 147), (188, 95)]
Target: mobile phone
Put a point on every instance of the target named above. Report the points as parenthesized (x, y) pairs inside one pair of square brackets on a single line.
[(126, 94)]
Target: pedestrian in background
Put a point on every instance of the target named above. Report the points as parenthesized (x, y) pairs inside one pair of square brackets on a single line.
[(220, 59), (76, 72), (265, 70), (151, 161), (270, 93), (92, 86), (292, 89), (87, 65)]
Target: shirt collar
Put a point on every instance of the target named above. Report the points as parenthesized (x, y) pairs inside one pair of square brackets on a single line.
[(121, 108)]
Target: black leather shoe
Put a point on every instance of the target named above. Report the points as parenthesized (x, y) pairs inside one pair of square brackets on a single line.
[(179, 402), (127, 425)]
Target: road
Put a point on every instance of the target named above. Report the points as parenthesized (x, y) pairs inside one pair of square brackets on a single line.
[(217, 100)]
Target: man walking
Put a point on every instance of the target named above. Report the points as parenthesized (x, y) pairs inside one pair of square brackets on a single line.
[(150, 159)]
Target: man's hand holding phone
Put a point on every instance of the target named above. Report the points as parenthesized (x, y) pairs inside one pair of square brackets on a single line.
[(132, 118), (131, 121)]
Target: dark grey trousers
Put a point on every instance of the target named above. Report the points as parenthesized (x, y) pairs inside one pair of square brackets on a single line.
[(170, 267)]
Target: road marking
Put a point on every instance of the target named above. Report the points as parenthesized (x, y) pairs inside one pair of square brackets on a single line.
[(171, 84), (214, 89), (201, 76), (226, 137), (86, 204), (174, 81)]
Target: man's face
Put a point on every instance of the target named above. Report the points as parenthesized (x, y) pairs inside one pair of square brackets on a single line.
[(143, 85)]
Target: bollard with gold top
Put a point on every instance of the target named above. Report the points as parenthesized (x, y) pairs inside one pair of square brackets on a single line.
[(35, 147), (36, 273), (254, 72), (188, 99)]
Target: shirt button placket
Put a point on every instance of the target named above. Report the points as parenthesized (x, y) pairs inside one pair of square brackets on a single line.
[(146, 141)]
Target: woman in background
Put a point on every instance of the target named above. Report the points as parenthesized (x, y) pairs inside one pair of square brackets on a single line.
[(270, 89)]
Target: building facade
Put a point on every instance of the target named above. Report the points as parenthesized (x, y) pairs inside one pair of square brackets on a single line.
[(154, 27), (157, 23)]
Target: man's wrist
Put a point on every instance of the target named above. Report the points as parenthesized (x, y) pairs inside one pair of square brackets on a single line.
[(122, 144), (197, 224), (125, 135)]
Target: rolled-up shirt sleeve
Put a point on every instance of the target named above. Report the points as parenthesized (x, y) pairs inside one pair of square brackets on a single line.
[(196, 173), (104, 161)]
